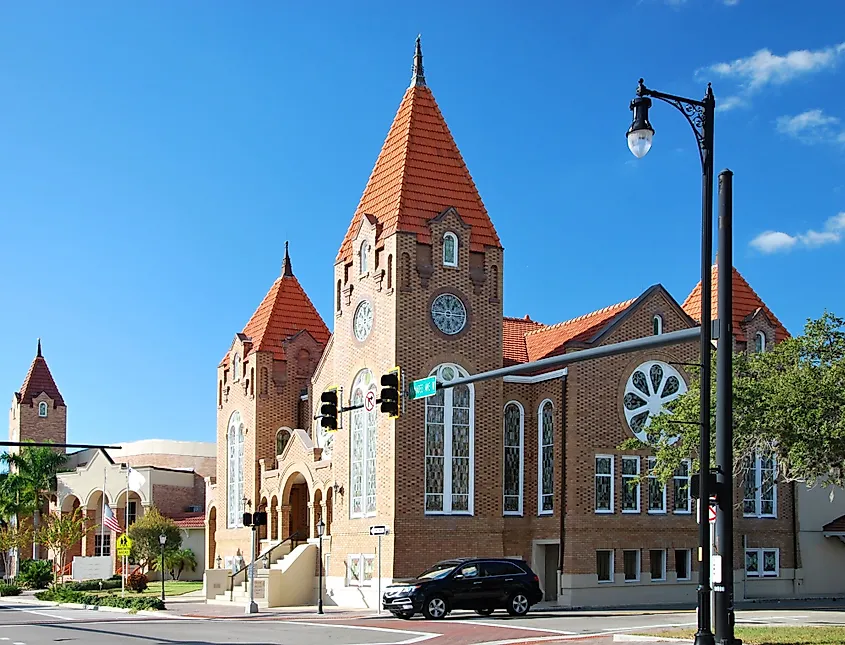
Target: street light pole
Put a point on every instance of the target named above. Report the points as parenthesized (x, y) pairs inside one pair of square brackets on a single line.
[(700, 115), (162, 539), (320, 528)]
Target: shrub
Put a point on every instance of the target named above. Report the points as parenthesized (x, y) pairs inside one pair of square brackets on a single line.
[(35, 574), (92, 585), (9, 590), (61, 594), (137, 582)]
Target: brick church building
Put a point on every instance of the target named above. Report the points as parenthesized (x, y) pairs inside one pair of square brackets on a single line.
[(526, 466)]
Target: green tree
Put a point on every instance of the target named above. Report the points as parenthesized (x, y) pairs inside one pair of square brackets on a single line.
[(34, 470), (788, 402), (178, 561), (61, 532), (14, 501), (12, 537), (145, 532)]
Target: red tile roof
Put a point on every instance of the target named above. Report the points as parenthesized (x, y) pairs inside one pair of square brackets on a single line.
[(420, 173), (836, 526), (38, 380), (514, 349), (189, 520), (746, 302), (550, 341), (285, 311)]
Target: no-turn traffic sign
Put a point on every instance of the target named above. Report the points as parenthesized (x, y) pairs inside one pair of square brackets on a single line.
[(712, 514), (370, 401)]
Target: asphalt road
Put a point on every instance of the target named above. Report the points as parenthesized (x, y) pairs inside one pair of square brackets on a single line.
[(33, 624)]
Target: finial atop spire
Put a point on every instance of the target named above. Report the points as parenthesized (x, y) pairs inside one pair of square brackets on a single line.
[(418, 77), (287, 271), (39, 348)]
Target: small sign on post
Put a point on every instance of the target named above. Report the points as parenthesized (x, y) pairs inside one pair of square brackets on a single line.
[(379, 530), (123, 545), (423, 388)]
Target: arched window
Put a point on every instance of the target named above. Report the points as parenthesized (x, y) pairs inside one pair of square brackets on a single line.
[(389, 271), (546, 462), (362, 447), (450, 250), (337, 297), (236, 368), (42, 409), (235, 482), (657, 325), (514, 437), (449, 445), (282, 438), (760, 342), (364, 257)]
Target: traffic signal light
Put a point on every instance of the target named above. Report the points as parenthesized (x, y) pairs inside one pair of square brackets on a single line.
[(328, 409), (390, 393)]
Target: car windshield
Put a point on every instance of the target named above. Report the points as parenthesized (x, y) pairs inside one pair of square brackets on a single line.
[(438, 571)]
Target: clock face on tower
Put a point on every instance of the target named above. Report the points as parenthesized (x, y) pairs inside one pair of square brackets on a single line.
[(362, 321), (449, 313)]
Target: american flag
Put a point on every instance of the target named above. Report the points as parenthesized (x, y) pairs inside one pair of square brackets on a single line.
[(110, 520)]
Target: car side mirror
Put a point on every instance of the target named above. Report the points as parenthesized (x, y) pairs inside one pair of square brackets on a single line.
[(458, 576)]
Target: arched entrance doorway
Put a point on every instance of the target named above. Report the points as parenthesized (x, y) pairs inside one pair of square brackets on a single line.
[(298, 499)]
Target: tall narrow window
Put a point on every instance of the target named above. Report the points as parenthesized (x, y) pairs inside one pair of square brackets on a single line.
[(657, 325), (42, 409), (282, 438), (235, 481), (236, 368), (760, 499), (631, 564), (604, 483), (630, 484), (364, 257), (657, 562), (546, 461), (760, 342), (390, 271), (604, 565), (131, 513), (450, 250), (514, 428), (337, 297), (362, 447), (682, 564), (449, 445), (656, 490), (681, 488)]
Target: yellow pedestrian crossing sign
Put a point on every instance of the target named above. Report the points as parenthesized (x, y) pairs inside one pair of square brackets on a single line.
[(124, 545)]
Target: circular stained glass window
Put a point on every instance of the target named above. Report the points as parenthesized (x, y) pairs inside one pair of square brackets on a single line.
[(448, 313), (362, 321), (651, 386)]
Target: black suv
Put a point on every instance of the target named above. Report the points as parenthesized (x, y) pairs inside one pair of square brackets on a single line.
[(482, 584)]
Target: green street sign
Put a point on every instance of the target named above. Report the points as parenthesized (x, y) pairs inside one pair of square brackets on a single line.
[(424, 388)]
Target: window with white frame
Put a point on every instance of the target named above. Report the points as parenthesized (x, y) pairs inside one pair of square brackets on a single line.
[(762, 563), (235, 480), (683, 564), (514, 433), (42, 409), (657, 564), (449, 445), (630, 484), (131, 513), (657, 324), (760, 498), (604, 483), (681, 488), (102, 544), (450, 250), (236, 368), (546, 461), (759, 342), (631, 564), (362, 448), (656, 490), (364, 257), (360, 569), (604, 565)]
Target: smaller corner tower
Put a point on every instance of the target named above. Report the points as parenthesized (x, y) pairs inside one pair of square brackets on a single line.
[(38, 411)]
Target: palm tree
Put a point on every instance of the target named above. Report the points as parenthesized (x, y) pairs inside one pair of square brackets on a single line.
[(34, 470), (177, 561)]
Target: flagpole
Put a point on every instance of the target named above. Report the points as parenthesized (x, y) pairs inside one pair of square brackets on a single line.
[(103, 517), (124, 561)]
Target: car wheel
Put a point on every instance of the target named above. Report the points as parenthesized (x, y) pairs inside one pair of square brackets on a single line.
[(404, 615), (484, 612), (435, 608), (518, 604)]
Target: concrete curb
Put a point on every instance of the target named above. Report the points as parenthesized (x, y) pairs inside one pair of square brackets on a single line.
[(635, 638)]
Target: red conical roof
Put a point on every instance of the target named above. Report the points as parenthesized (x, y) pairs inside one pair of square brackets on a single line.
[(420, 173), (39, 379), (745, 303)]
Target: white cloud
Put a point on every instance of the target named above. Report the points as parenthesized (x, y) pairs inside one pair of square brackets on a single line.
[(775, 241), (812, 126), (730, 3), (763, 67), (729, 103)]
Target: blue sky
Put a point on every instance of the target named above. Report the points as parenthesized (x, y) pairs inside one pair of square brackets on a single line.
[(155, 156)]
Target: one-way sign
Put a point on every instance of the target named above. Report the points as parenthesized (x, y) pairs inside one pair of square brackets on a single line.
[(379, 530)]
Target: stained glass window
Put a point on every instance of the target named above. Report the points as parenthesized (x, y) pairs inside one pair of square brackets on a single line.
[(760, 485), (362, 472), (630, 485), (761, 563), (547, 457), (604, 484), (513, 459), (449, 468), (681, 492), (282, 437), (656, 490), (235, 481), (450, 250)]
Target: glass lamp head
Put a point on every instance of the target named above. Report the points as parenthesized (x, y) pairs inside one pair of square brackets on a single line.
[(640, 134)]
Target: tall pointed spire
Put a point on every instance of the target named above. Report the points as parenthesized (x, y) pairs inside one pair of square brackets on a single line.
[(39, 379), (418, 78), (39, 348), (287, 270)]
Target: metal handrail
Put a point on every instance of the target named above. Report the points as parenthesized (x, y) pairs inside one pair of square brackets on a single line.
[(266, 554)]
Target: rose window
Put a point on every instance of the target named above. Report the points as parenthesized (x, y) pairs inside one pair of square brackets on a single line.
[(448, 313), (652, 385)]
